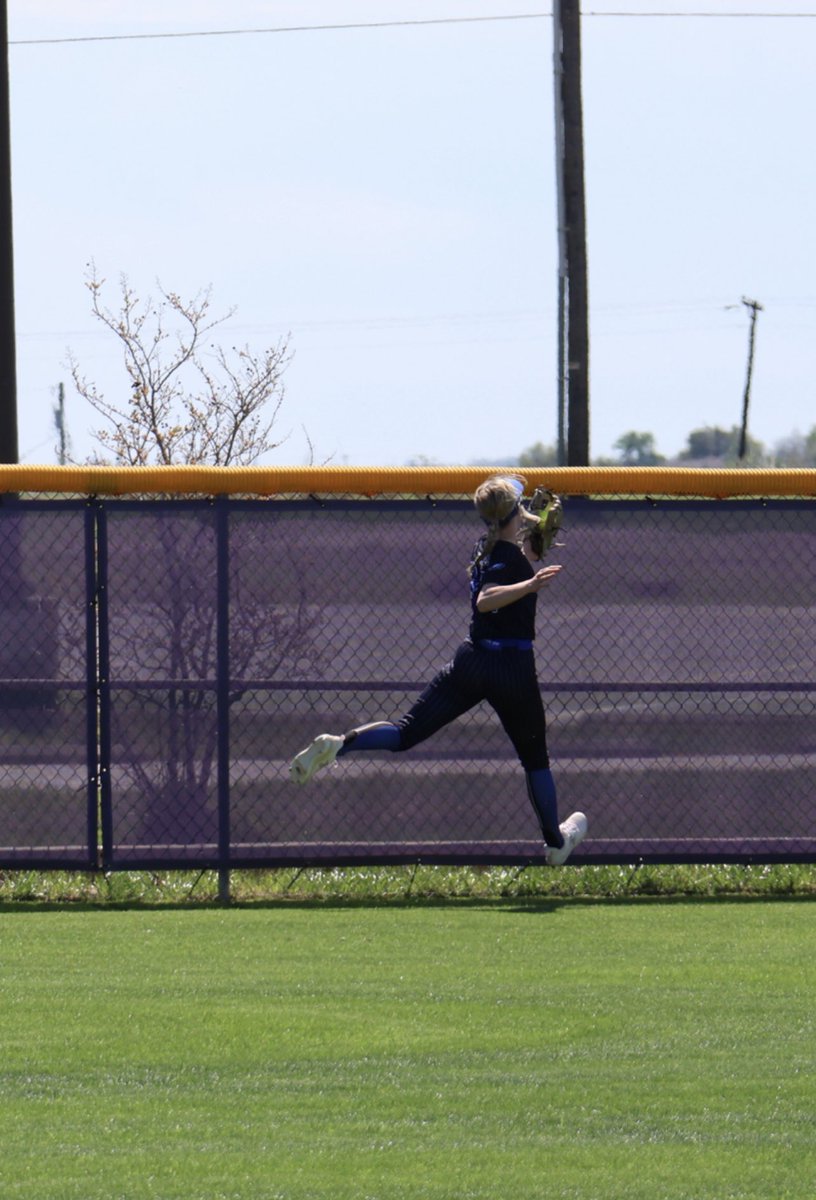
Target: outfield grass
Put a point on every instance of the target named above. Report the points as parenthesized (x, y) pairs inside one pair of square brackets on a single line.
[(645, 1049)]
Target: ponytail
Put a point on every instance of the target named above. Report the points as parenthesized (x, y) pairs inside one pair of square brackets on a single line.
[(482, 551), (497, 502)]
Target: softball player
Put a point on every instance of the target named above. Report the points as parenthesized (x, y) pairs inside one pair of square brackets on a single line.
[(496, 663)]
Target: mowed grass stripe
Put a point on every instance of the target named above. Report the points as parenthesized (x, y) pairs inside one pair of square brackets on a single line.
[(534, 1049)]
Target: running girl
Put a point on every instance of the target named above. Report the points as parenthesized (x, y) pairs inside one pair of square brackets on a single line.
[(495, 663)]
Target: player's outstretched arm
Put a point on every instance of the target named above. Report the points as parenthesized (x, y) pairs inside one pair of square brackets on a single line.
[(500, 595)]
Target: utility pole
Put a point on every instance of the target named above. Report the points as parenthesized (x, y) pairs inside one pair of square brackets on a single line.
[(573, 295), (9, 452), (754, 307), (61, 426), (558, 79)]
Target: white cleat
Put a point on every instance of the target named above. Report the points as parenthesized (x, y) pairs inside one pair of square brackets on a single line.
[(573, 831), (319, 753)]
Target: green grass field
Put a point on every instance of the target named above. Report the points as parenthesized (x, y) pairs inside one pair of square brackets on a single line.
[(646, 1049)]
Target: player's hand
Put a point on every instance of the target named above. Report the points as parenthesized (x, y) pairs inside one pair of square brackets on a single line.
[(543, 577)]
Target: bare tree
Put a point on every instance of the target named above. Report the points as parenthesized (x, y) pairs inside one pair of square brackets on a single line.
[(190, 401)]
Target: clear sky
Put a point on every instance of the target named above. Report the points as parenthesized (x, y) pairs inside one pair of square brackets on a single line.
[(386, 196)]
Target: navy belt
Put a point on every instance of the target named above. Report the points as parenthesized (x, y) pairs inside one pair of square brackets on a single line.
[(504, 644)]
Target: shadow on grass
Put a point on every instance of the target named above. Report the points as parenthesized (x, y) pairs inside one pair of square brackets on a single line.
[(531, 906)]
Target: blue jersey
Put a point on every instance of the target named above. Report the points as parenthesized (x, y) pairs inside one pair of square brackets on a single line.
[(505, 564)]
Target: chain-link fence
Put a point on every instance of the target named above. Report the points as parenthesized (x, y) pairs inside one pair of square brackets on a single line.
[(163, 660)]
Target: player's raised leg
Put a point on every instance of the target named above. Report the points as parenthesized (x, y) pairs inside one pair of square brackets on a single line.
[(319, 753), (327, 747)]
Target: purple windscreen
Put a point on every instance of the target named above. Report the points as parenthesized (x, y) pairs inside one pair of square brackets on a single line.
[(162, 604), (45, 788), (675, 654), (676, 658)]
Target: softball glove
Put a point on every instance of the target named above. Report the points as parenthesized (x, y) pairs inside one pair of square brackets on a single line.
[(545, 505)]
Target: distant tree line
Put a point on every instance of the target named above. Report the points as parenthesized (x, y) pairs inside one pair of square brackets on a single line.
[(706, 447)]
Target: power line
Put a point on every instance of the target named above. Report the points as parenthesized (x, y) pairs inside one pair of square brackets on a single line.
[(716, 16), (135, 37), (351, 25)]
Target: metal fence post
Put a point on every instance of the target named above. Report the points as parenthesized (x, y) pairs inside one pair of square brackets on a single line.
[(100, 550), (223, 693), (91, 684)]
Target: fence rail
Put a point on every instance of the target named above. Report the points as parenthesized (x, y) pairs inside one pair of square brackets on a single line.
[(163, 659)]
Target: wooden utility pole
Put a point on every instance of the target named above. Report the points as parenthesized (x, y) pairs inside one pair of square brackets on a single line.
[(754, 307), (558, 78), (62, 426), (9, 452), (573, 293)]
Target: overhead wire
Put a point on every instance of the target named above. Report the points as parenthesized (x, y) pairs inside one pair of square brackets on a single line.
[(347, 25), (407, 23)]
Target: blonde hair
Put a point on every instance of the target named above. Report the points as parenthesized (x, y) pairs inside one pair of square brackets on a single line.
[(496, 498), (496, 501)]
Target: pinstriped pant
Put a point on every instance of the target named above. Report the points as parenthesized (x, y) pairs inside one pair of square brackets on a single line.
[(506, 679)]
